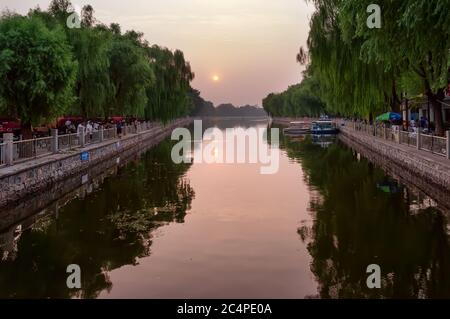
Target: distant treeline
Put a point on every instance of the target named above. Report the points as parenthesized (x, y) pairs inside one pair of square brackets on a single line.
[(298, 100), (206, 108), (50, 67)]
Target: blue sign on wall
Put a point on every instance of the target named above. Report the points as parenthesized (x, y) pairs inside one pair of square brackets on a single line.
[(85, 156)]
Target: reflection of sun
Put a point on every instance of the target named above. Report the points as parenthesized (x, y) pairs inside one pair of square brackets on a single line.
[(215, 78)]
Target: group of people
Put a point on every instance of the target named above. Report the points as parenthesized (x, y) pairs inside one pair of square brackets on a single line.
[(70, 127), (94, 126), (422, 124)]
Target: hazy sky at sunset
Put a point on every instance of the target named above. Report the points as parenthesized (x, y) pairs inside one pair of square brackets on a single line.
[(249, 44)]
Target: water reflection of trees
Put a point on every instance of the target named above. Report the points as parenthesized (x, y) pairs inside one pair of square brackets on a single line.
[(363, 217), (109, 228)]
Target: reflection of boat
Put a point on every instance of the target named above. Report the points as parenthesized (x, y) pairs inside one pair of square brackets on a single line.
[(296, 128), (323, 140), (324, 127), (297, 138)]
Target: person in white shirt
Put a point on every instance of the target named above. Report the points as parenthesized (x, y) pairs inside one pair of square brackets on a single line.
[(67, 126), (89, 129)]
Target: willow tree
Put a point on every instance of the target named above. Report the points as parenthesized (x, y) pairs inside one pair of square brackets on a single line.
[(297, 101), (131, 75), (91, 46), (37, 70), (350, 85), (169, 94), (93, 88), (413, 42), (49, 69)]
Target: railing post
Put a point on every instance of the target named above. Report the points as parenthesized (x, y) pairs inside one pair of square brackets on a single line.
[(448, 144), (82, 135), (418, 139), (55, 146), (100, 133), (9, 148)]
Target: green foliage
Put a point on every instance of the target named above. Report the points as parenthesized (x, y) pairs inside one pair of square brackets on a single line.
[(37, 69), (297, 101), (362, 71), (130, 74), (48, 69), (169, 96), (350, 85), (93, 88), (365, 70)]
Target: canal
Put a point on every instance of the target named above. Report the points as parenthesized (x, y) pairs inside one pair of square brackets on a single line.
[(154, 229)]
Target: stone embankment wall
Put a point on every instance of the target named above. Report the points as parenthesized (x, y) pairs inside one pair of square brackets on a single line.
[(427, 172), (430, 168), (26, 179)]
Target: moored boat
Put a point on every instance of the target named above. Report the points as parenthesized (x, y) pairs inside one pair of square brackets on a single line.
[(324, 127), (297, 128)]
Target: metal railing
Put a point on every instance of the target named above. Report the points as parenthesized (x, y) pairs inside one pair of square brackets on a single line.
[(68, 141), (390, 135), (32, 148), (131, 129), (109, 133), (408, 138), (433, 144), (379, 131), (430, 143), (12, 151), (93, 137), (2, 154)]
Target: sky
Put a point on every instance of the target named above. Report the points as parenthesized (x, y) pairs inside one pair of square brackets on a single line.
[(239, 50)]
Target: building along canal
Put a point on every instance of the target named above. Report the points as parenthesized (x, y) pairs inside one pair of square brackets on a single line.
[(147, 227)]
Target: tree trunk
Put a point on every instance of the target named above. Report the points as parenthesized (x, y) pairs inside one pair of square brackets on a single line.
[(395, 102), (27, 131), (437, 109), (26, 150)]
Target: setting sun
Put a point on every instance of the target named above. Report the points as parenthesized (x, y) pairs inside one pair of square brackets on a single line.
[(215, 78)]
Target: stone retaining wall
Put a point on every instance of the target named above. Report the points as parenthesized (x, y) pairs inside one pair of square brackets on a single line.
[(429, 175), (44, 174)]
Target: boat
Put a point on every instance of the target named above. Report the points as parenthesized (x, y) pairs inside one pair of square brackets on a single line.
[(297, 128), (324, 127)]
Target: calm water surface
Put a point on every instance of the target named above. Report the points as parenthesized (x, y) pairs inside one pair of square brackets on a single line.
[(153, 229)]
